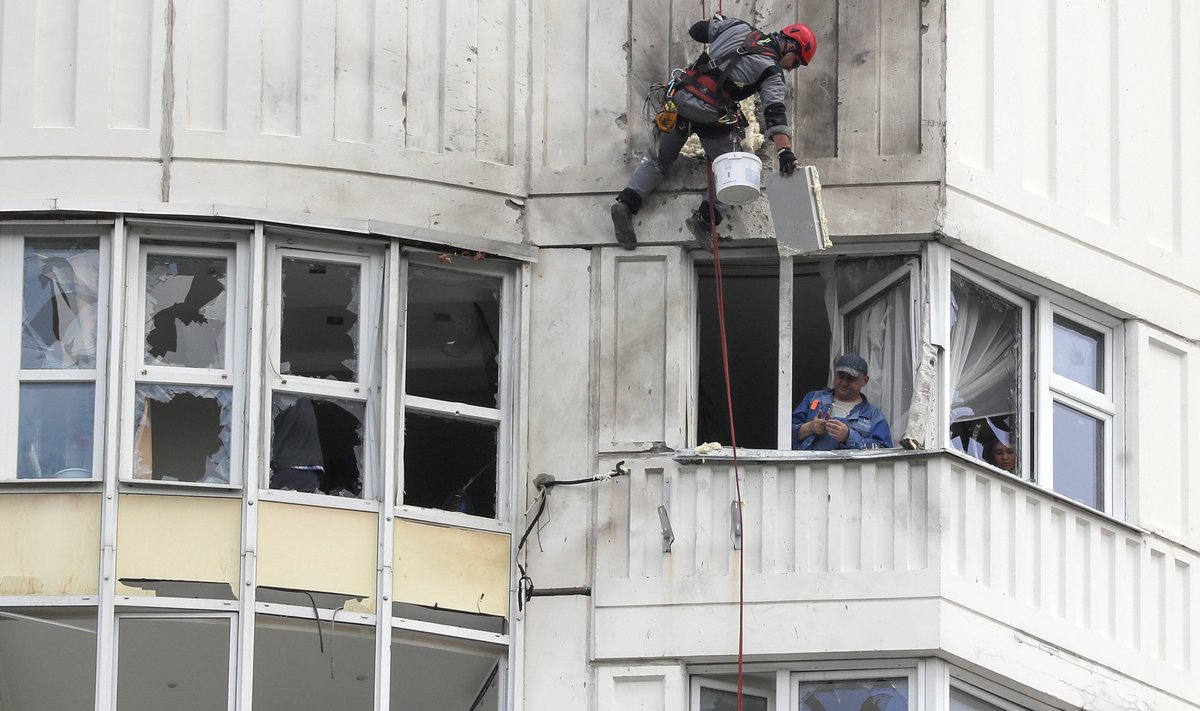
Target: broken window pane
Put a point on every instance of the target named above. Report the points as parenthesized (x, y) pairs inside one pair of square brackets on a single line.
[(450, 464), (188, 427), (165, 663), (61, 299), (298, 667), (316, 445), (185, 311), (984, 374), (55, 430), (319, 336), (48, 658), (453, 336), (467, 676)]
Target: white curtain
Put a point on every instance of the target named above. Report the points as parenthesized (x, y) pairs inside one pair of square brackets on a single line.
[(984, 360), (881, 332)]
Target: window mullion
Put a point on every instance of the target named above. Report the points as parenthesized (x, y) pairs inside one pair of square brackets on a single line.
[(786, 338), (11, 247), (1043, 363)]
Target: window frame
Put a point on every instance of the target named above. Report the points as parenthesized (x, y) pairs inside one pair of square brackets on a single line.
[(234, 662), (1042, 387), (13, 239), (699, 682), (371, 260), (910, 673), (185, 243), (503, 415)]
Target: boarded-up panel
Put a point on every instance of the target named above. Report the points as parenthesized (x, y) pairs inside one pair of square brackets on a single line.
[(451, 568), (644, 338), (318, 549), (178, 538), (51, 544)]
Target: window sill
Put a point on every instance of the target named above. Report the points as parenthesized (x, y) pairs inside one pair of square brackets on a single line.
[(179, 488), (451, 518), (58, 486), (324, 500)]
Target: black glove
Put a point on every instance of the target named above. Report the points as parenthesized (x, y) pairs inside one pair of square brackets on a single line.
[(787, 161)]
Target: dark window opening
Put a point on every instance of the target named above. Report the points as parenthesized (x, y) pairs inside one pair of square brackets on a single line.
[(319, 335), (450, 464), (452, 336)]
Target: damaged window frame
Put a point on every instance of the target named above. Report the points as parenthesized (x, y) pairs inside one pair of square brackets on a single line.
[(174, 616), (499, 416), (145, 243), (1043, 389), (913, 258), (13, 240), (364, 390)]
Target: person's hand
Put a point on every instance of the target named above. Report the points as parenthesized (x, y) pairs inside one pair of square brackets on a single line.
[(838, 430), (787, 161), (817, 424)]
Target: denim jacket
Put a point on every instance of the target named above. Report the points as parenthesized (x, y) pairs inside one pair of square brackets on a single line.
[(868, 427)]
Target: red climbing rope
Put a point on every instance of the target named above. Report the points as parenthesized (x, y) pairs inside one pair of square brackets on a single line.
[(737, 478)]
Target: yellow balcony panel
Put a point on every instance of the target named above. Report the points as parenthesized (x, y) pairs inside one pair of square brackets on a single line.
[(451, 568), (51, 544)]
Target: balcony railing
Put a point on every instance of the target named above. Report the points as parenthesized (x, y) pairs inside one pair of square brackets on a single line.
[(915, 528)]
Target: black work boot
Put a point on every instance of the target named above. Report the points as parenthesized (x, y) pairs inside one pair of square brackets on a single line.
[(700, 227), (623, 210)]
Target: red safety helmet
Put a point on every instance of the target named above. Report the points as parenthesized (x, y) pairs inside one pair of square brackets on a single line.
[(803, 38)]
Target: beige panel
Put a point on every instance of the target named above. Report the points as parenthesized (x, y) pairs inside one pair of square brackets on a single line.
[(188, 538), (451, 568), (318, 549), (51, 544)]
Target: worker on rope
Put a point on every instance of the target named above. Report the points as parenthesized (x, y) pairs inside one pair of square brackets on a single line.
[(703, 99)]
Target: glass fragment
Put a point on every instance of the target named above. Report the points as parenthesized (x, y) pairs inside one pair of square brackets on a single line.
[(186, 311)]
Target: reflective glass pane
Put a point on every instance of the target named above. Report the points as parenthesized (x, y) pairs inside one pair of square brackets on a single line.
[(319, 335), (854, 695), (984, 374), (445, 675), (1078, 353), (178, 664), (185, 311), (722, 700), (55, 430), (450, 464), (188, 429), (48, 659), (297, 666), (452, 336), (316, 445), (1078, 453), (61, 298), (962, 701)]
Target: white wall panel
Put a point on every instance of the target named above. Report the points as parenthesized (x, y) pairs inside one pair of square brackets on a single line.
[(283, 25), (55, 63), (646, 688), (1068, 152), (203, 64), (133, 82)]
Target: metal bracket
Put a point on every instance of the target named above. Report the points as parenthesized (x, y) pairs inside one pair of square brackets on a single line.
[(735, 523), (668, 536)]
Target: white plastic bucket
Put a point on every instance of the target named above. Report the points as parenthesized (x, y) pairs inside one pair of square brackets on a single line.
[(737, 177)]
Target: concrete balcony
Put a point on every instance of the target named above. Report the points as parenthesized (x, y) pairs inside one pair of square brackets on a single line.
[(892, 554)]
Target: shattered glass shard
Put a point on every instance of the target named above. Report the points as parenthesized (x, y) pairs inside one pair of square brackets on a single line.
[(61, 298), (186, 311)]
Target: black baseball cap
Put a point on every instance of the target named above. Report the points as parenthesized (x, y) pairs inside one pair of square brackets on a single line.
[(850, 363)]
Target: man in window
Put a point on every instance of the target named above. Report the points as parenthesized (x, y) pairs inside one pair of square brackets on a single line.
[(840, 417)]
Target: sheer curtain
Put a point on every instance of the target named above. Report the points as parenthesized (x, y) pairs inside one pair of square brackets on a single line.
[(881, 332), (984, 358)]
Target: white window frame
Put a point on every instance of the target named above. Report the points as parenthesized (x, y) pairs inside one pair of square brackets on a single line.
[(12, 266), (231, 672), (370, 260), (1042, 387), (232, 376), (1061, 390), (699, 682), (502, 416), (1025, 305), (907, 672)]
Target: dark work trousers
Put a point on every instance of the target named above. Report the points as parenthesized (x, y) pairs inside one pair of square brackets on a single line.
[(717, 140)]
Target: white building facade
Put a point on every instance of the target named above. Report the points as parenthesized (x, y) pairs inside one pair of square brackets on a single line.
[(323, 350)]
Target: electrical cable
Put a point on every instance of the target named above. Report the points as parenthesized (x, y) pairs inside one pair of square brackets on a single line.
[(737, 479), (487, 684)]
